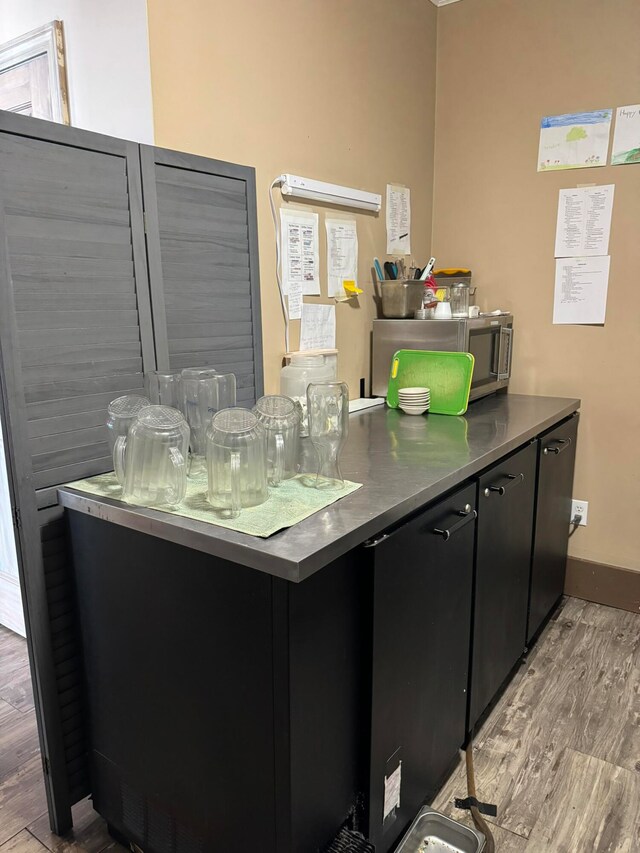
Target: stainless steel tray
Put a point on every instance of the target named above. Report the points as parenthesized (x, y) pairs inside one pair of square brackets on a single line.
[(432, 832)]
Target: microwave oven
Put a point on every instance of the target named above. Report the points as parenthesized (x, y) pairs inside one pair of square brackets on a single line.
[(489, 338)]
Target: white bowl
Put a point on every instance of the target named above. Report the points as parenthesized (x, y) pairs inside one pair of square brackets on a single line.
[(414, 410), (413, 401), (412, 391)]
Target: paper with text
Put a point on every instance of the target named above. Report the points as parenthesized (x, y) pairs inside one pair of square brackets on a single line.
[(318, 327), (398, 215), (342, 254), (300, 254), (581, 290), (584, 221), (574, 140), (626, 136)]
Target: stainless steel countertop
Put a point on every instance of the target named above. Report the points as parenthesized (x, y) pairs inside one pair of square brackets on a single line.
[(403, 463)]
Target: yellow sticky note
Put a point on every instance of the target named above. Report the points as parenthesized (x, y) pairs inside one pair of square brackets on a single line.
[(351, 287)]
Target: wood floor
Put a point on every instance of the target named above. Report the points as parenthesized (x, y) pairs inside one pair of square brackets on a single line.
[(559, 755)]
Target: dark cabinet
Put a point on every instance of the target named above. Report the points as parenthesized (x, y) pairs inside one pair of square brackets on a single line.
[(501, 582), (422, 575), (556, 461)]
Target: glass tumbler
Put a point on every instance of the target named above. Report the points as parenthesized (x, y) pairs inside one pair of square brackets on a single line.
[(328, 408), (121, 413), (280, 418), (236, 461), (164, 388), (151, 461), (205, 392)]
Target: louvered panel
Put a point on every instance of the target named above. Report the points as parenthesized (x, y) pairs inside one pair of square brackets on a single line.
[(65, 641), (74, 228), (204, 287)]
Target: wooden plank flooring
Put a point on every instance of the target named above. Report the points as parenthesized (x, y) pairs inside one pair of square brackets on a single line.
[(559, 754)]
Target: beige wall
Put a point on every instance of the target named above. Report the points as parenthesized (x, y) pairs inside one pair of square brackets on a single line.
[(502, 65), (339, 90)]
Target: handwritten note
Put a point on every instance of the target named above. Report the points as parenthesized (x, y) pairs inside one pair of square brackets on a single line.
[(318, 327), (398, 216), (584, 221), (300, 252), (626, 137), (342, 254)]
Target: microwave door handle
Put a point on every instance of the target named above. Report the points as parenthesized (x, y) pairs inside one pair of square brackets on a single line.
[(506, 333), (497, 362)]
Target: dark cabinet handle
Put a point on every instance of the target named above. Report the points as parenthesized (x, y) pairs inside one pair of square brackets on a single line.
[(514, 480), (560, 445), (467, 514)]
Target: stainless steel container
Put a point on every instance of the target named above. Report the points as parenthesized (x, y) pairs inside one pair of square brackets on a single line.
[(432, 832), (401, 298)]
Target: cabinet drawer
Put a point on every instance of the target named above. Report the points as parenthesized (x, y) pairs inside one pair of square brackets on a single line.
[(421, 633)]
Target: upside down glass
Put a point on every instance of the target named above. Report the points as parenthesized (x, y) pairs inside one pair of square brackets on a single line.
[(280, 418), (328, 408), (236, 461), (205, 392), (151, 461), (164, 388)]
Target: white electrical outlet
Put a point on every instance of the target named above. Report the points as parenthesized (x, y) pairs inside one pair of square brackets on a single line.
[(580, 508)]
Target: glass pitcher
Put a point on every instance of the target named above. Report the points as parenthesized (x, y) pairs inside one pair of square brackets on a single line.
[(236, 461), (151, 461), (280, 418), (121, 413), (328, 408)]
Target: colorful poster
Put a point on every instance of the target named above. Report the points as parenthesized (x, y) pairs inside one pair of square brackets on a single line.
[(626, 136), (574, 141)]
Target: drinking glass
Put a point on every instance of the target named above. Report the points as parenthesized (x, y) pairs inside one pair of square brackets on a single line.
[(164, 388), (121, 413), (151, 461), (328, 408), (236, 461), (281, 420), (205, 392)]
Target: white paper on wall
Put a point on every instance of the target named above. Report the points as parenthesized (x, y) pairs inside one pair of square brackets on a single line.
[(342, 254), (318, 327), (584, 221), (398, 217), (581, 290), (300, 254)]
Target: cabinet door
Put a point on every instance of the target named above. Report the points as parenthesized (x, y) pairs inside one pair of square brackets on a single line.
[(421, 613), (501, 587), (556, 460)]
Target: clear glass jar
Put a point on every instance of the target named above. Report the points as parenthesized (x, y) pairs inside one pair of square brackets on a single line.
[(296, 377), (459, 298)]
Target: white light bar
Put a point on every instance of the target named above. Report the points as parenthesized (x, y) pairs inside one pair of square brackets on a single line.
[(294, 185)]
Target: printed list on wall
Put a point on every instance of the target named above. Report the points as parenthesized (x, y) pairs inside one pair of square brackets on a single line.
[(582, 260)]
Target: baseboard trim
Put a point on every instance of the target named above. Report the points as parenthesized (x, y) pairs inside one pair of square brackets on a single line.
[(610, 585)]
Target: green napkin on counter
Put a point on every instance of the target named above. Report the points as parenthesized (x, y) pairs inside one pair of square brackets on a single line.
[(291, 502)]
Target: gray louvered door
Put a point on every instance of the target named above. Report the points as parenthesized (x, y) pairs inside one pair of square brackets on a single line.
[(203, 265), (75, 332)]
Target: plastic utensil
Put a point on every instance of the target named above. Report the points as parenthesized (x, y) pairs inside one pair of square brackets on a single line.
[(426, 272), (447, 374), (328, 407), (151, 461), (280, 417), (379, 272), (236, 461)]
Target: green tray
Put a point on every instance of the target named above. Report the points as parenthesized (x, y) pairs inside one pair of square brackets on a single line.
[(447, 374)]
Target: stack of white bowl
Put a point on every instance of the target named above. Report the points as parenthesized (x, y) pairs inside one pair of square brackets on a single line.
[(414, 401)]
